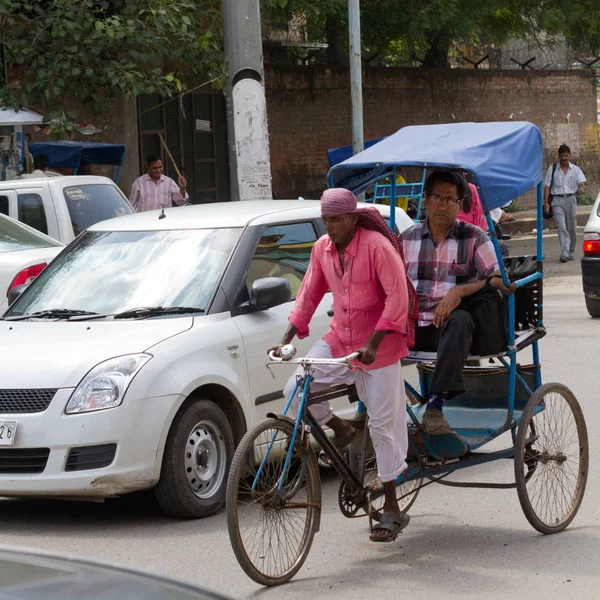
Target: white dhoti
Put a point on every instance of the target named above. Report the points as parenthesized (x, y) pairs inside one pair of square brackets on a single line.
[(382, 392)]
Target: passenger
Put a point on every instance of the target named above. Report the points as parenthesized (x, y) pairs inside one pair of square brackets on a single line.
[(471, 210), (448, 262)]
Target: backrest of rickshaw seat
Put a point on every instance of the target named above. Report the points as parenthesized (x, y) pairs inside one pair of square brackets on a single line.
[(528, 299)]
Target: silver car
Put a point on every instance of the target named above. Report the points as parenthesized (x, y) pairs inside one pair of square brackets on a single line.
[(24, 253)]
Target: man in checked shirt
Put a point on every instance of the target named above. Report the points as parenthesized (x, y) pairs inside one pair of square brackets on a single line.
[(447, 260), (155, 190), (360, 261)]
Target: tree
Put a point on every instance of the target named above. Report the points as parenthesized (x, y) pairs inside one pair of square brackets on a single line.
[(95, 50), (393, 31)]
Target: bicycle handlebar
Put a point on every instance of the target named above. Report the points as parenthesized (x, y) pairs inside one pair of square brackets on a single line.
[(344, 360)]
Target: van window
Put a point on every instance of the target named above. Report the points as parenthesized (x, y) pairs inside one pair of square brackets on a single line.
[(31, 211), (4, 205)]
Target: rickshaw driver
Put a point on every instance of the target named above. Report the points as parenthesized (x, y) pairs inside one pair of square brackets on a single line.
[(438, 252), (360, 261)]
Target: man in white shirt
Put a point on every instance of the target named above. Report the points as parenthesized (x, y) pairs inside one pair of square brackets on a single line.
[(563, 181), (155, 190), (41, 168)]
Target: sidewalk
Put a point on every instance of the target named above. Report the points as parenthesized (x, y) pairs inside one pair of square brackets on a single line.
[(526, 221)]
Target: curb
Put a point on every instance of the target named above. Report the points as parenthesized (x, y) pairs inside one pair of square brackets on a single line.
[(527, 225)]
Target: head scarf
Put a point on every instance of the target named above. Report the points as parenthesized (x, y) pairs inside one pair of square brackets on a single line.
[(340, 201)]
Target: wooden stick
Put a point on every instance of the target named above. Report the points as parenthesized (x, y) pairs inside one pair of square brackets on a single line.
[(169, 154)]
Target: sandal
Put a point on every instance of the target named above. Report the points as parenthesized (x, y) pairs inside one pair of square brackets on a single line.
[(391, 523), (341, 443)]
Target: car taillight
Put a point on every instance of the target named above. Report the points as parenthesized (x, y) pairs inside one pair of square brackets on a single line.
[(591, 244), (27, 275)]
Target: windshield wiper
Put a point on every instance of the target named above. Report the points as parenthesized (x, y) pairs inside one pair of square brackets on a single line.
[(141, 313), (52, 313)]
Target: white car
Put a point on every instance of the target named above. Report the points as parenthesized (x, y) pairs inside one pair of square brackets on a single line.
[(24, 253), (137, 358), (62, 207), (590, 263)]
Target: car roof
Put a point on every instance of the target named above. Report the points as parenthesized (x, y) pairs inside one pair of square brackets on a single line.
[(63, 181), (218, 215), (42, 236)]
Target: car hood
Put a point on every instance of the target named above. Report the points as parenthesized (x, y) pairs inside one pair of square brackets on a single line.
[(57, 354)]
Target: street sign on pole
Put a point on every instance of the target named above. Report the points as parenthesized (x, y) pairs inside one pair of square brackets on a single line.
[(250, 165)]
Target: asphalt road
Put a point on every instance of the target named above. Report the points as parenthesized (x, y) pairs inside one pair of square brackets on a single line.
[(461, 543)]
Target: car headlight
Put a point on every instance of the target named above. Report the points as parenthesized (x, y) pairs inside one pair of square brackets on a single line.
[(105, 385)]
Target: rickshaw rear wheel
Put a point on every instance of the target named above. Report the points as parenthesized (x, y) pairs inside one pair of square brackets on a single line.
[(551, 458)]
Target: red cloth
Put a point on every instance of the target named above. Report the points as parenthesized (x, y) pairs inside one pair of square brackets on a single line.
[(370, 295), (475, 216)]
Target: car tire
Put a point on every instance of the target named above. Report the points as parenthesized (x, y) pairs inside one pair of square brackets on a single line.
[(593, 307), (196, 462)]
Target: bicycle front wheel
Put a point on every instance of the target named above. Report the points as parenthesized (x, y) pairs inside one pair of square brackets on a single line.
[(272, 526)]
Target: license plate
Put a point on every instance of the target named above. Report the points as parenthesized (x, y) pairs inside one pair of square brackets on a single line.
[(8, 430)]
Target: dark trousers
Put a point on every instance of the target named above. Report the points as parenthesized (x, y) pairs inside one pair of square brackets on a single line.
[(452, 343)]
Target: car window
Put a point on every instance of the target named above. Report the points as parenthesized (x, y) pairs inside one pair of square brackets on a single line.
[(14, 236), (283, 251), (31, 211), (4, 205), (91, 203)]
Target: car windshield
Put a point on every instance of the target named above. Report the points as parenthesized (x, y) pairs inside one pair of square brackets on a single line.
[(14, 236), (91, 203), (112, 271)]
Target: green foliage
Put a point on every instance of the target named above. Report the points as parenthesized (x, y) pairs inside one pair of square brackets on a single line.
[(394, 30), (95, 50)]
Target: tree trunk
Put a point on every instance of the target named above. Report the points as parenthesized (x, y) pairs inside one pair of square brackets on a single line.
[(335, 35), (437, 54)]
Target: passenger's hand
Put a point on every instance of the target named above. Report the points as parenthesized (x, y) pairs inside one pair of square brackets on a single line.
[(498, 284), (367, 355), (446, 307)]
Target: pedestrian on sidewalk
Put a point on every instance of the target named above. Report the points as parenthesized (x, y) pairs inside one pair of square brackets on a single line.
[(564, 181), (155, 190)]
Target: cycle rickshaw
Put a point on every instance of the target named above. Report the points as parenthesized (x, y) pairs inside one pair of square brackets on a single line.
[(274, 495)]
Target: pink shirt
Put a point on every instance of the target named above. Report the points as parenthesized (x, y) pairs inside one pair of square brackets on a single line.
[(370, 295), (147, 195), (475, 216)]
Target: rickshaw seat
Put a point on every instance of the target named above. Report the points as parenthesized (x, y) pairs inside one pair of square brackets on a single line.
[(522, 340)]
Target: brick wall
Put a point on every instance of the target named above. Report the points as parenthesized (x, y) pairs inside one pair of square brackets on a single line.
[(309, 112)]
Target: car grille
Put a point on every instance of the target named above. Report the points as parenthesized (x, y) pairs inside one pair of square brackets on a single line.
[(91, 457), (19, 461), (25, 401)]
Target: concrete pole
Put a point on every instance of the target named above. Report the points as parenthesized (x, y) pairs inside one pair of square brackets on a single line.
[(358, 141), (250, 166)]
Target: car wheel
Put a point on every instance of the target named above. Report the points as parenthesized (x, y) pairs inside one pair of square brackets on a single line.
[(196, 461), (593, 307)]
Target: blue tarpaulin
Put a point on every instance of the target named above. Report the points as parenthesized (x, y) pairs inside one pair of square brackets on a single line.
[(337, 155), (505, 158), (71, 154)]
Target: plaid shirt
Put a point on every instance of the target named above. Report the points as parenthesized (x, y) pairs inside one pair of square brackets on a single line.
[(465, 255)]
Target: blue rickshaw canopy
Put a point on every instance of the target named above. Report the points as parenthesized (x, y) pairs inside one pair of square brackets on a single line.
[(72, 154), (506, 158)]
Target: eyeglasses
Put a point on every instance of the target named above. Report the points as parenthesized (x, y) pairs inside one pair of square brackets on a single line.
[(447, 200)]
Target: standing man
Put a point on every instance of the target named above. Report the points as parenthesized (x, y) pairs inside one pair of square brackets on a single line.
[(155, 190), (563, 181), (359, 260)]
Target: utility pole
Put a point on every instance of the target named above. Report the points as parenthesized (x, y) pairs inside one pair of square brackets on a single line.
[(358, 141), (250, 166)]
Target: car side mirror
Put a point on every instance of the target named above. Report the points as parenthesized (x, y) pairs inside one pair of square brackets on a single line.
[(268, 292), (16, 292)]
